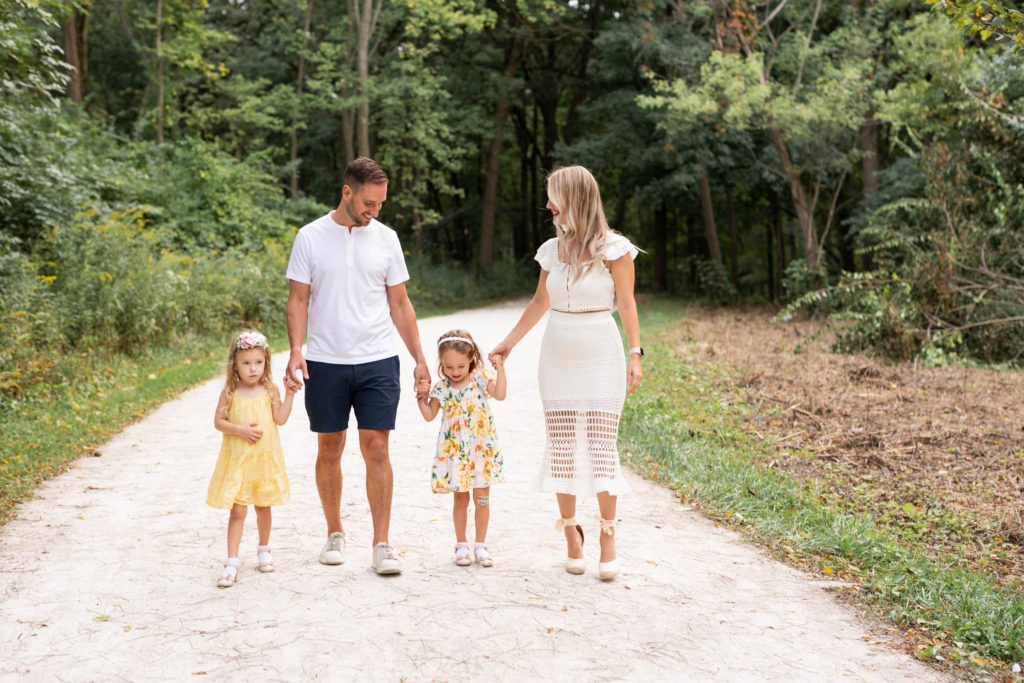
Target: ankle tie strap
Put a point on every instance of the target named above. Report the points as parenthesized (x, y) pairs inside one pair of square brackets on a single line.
[(562, 523), (607, 525)]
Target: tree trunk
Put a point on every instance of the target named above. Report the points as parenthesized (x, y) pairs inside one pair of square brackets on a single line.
[(366, 17), (660, 283), (485, 257), (780, 242), (293, 155), (160, 66), (734, 239), (709, 217), (869, 166), (76, 27), (769, 259), (804, 212)]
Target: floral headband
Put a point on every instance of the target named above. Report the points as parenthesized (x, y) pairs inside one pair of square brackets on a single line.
[(443, 340), (251, 339)]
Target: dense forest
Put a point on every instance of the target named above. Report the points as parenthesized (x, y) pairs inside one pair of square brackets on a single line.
[(849, 157)]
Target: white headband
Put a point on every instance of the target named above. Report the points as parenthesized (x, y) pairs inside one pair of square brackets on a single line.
[(452, 339)]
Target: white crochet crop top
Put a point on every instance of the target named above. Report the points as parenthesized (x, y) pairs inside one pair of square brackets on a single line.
[(594, 290)]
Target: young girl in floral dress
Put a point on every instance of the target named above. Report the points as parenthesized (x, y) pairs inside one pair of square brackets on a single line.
[(250, 468), (468, 459)]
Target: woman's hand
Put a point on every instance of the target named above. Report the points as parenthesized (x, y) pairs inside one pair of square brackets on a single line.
[(499, 353), (634, 373)]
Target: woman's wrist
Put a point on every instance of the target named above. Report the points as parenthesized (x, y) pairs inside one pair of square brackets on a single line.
[(637, 351)]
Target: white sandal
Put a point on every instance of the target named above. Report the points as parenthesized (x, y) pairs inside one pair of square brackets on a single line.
[(462, 555), (229, 577), (608, 570), (573, 565), (265, 561), (483, 558)]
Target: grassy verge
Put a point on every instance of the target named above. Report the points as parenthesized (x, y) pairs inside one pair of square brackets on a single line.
[(94, 397), (682, 431)]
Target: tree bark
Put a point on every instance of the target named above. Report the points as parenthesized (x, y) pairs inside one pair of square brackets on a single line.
[(708, 210), (734, 239), (485, 256), (76, 27), (804, 211), (293, 155), (869, 166), (160, 67), (660, 283), (366, 13)]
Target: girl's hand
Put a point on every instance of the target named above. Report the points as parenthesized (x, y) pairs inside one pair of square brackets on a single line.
[(499, 352), (497, 360), (634, 374), (422, 389), (250, 433), (290, 385)]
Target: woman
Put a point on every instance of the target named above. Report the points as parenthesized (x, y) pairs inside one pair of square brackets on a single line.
[(585, 271)]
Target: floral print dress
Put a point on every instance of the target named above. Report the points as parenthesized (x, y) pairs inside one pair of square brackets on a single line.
[(468, 456)]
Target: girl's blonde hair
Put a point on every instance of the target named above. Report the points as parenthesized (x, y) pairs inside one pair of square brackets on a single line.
[(461, 341), (582, 227), (245, 341)]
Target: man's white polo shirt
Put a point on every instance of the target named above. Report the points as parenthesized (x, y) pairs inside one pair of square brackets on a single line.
[(348, 273)]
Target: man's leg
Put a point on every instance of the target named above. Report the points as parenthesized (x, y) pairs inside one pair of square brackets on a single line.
[(328, 477), (379, 480)]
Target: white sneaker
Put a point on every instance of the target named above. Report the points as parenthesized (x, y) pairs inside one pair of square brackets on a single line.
[(385, 561), (334, 549)]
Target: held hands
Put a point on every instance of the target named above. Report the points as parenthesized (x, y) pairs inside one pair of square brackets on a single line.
[(296, 371), (499, 353), (497, 360), (249, 432), (422, 389), (421, 379)]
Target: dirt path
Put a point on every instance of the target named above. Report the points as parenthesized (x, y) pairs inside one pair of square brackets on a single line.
[(109, 573)]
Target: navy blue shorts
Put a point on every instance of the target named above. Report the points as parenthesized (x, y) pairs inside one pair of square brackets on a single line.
[(332, 391)]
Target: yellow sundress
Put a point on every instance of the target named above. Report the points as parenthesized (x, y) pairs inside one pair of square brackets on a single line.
[(250, 473)]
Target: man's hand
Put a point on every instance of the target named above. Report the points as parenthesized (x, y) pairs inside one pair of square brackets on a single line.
[(297, 370), (421, 379)]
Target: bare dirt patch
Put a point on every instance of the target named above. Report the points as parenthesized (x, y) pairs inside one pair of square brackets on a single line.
[(935, 453)]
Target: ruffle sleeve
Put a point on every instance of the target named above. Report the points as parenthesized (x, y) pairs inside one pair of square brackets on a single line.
[(438, 391), (617, 246), (547, 254), (481, 380)]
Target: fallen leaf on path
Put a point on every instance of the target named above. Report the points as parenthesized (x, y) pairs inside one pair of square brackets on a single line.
[(827, 570), (565, 608), (101, 617)]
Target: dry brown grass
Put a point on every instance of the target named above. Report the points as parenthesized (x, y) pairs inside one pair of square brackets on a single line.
[(936, 450)]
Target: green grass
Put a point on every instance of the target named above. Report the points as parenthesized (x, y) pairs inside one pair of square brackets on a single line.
[(680, 430), (92, 399)]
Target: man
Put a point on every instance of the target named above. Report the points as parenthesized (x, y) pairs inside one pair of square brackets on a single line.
[(348, 275)]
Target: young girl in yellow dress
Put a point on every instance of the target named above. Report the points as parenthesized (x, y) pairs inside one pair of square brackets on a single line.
[(468, 459), (250, 468)]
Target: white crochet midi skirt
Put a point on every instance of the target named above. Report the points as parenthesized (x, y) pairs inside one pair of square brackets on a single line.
[(582, 387)]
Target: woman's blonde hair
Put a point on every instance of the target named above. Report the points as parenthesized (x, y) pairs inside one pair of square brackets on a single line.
[(461, 341), (582, 227), (247, 340)]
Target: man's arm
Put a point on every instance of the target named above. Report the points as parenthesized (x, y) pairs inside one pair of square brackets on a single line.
[(297, 314), (404, 317)]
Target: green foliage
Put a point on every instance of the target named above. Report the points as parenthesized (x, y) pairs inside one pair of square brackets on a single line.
[(986, 19), (678, 429), (714, 282)]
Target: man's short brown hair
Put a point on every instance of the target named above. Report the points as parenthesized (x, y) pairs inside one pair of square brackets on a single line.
[(361, 171)]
